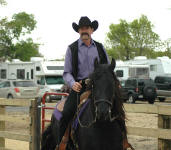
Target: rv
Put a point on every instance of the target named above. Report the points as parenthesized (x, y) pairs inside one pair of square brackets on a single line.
[(46, 74), (158, 67), (124, 71), (16, 69)]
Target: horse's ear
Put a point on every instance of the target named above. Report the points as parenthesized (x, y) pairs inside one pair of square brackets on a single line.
[(96, 62), (113, 64)]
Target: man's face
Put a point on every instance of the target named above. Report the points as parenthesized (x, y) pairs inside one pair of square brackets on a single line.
[(85, 32)]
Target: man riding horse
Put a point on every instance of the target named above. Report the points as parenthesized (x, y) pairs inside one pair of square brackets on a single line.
[(79, 63)]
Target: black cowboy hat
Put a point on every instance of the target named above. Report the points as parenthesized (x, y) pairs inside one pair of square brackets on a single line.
[(85, 21)]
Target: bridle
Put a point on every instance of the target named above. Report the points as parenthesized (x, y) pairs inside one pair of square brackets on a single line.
[(110, 104), (103, 100), (95, 104)]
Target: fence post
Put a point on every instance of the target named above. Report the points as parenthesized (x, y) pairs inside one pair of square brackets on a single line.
[(165, 123), (2, 127), (38, 122), (31, 126), (35, 125)]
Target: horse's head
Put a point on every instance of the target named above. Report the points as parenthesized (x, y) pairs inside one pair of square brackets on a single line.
[(103, 87)]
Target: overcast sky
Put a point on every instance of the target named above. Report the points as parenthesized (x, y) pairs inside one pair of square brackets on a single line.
[(54, 18)]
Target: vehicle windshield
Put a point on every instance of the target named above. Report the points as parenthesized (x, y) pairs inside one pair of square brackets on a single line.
[(24, 84), (50, 80)]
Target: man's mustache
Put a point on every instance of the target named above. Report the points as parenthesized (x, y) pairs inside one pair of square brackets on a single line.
[(84, 33)]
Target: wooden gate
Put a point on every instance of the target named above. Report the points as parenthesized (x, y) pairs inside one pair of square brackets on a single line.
[(163, 132), (33, 119)]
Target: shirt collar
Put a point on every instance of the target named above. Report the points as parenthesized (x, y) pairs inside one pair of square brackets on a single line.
[(81, 43)]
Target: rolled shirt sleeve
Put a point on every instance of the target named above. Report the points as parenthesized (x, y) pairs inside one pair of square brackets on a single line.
[(67, 75)]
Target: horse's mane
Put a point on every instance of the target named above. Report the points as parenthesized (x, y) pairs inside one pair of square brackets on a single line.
[(118, 108), (118, 105)]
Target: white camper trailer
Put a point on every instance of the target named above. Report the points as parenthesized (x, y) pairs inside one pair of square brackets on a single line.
[(159, 66), (47, 74), (16, 69), (124, 71)]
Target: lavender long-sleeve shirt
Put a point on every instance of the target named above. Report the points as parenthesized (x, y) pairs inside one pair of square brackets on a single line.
[(86, 57)]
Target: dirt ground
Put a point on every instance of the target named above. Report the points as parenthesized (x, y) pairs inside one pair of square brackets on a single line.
[(134, 119)]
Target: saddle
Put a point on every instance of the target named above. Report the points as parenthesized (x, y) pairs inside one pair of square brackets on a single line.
[(60, 106), (65, 139)]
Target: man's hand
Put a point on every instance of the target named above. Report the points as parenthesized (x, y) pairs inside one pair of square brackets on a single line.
[(77, 87)]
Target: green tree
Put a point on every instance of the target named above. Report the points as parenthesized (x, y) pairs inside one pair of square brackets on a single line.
[(26, 49), (127, 40), (11, 34), (167, 48), (119, 40), (3, 2), (143, 37)]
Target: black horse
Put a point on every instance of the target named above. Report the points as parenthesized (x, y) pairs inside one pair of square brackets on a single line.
[(101, 126)]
